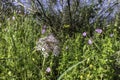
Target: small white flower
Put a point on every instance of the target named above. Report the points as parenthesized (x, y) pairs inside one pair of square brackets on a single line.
[(107, 26), (111, 35), (66, 47), (98, 30), (90, 41), (19, 11), (8, 19), (48, 69), (118, 27), (43, 49), (84, 34), (13, 18)]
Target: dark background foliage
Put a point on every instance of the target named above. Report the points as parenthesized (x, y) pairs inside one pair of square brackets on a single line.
[(60, 13)]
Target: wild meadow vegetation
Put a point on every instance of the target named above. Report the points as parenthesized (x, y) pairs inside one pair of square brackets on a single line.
[(93, 53)]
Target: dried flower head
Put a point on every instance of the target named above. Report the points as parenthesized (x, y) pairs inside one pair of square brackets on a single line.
[(48, 44)]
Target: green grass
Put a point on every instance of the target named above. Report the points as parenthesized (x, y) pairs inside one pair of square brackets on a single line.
[(78, 60)]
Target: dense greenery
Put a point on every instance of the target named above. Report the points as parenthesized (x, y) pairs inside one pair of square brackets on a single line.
[(91, 53)]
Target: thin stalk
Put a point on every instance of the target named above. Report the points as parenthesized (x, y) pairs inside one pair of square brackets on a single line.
[(70, 68), (43, 65)]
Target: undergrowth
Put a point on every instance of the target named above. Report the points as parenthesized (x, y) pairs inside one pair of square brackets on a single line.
[(82, 57)]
